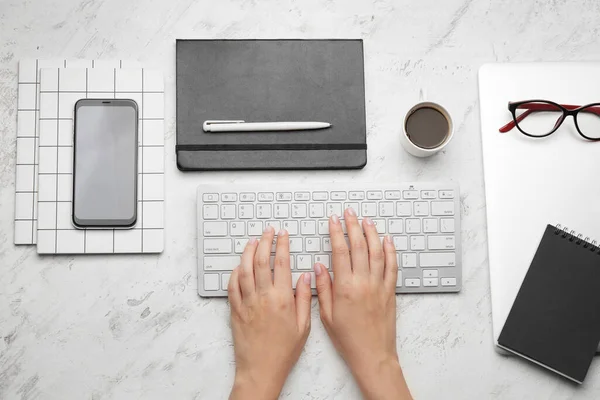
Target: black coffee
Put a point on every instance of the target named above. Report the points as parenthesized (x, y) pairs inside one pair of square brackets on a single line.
[(426, 127)]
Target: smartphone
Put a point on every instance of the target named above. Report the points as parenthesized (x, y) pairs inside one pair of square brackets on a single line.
[(105, 163)]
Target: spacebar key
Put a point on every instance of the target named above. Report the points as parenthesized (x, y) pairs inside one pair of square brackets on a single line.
[(224, 263)]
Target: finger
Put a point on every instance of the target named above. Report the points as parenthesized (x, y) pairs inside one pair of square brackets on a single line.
[(233, 290), (303, 296), (376, 258), (342, 268), (324, 292), (282, 272), (359, 252), (262, 261), (246, 269), (391, 263)]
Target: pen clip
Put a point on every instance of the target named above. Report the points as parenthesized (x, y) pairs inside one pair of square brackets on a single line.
[(206, 125)]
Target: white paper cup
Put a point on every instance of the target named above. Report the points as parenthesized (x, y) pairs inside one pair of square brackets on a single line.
[(416, 150)]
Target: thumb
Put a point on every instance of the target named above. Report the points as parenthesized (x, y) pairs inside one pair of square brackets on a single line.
[(324, 291), (303, 296)]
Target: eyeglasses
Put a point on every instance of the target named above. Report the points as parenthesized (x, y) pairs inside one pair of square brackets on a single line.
[(540, 118)]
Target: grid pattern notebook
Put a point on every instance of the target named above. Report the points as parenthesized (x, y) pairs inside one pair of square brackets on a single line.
[(60, 88), (28, 137)]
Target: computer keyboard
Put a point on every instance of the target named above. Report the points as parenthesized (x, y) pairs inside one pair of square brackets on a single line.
[(422, 218)]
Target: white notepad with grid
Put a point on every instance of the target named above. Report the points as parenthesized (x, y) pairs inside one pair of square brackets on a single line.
[(60, 88), (26, 182)]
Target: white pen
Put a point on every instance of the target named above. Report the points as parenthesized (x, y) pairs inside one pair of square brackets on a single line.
[(242, 126)]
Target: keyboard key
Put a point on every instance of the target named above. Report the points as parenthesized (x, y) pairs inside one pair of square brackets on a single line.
[(429, 282), (446, 194), (229, 197), (210, 197), (221, 263), (428, 194), (237, 228), (447, 225), (417, 242), (263, 211), (386, 209), (217, 246), (266, 196), (338, 195), (296, 245), (247, 197), (284, 196), (225, 281), (409, 260), (313, 244), (400, 243), (430, 273), (399, 279), (239, 245), (320, 196), (297, 275), (302, 196), (379, 225), (448, 281), (291, 227), (304, 262), (246, 211), (403, 209), (292, 262), (374, 195), (430, 225), (369, 209), (393, 195), (210, 211), (281, 210), (316, 210), (323, 227), (413, 225), (228, 211), (395, 226), (275, 224), (442, 208), (437, 260), (211, 281), (333, 208), (308, 227), (323, 259), (354, 206), (255, 228), (215, 228), (298, 210), (412, 282), (421, 208), (327, 244), (441, 243), (354, 195), (411, 194)]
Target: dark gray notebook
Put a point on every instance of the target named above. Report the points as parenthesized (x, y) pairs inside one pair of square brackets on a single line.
[(271, 80)]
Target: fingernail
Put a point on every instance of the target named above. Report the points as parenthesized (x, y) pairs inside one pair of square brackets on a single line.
[(388, 239), (335, 219), (251, 241), (282, 232), (268, 229), (368, 221), (351, 212), (306, 278), (318, 269)]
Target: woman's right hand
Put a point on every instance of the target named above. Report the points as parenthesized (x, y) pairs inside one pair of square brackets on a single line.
[(359, 308)]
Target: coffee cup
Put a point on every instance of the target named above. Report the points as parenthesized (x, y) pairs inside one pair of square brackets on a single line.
[(427, 129)]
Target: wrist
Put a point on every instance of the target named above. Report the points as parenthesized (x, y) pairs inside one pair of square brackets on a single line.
[(382, 379), (246, 386)]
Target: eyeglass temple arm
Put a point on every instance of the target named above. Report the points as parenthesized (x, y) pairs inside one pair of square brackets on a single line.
[(529, 108)]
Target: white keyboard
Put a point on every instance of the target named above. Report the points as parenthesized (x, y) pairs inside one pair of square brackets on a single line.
[(422, 218)]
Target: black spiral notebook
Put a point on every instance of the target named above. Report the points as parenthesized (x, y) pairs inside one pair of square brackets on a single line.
[(555, 319), (271, 81)]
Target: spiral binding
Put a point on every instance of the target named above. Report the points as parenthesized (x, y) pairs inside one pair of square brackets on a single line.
[(571, 236)]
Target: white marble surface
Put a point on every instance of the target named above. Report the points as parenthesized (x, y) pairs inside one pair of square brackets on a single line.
[(98, 327)]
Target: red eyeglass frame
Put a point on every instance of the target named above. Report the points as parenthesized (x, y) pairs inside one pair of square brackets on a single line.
[(546, 105)]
